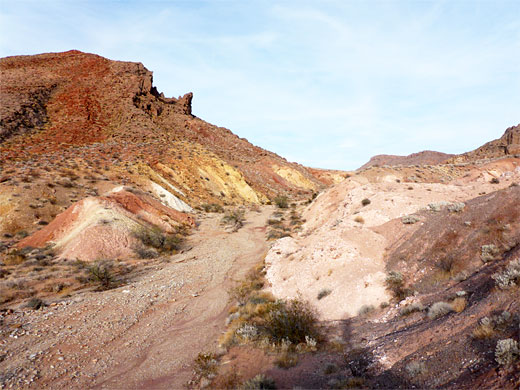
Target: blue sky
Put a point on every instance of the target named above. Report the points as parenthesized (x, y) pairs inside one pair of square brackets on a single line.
[(323, 83)]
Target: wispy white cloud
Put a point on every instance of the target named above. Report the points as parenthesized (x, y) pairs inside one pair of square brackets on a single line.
[(328, 83)]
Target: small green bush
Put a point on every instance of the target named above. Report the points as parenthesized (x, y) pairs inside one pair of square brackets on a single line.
[(366, 202), (155, 238), (35, 304), (281, 201), (101, 273), (293, 321)]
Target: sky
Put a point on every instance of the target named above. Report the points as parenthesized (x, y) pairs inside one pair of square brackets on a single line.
[(323, 83)]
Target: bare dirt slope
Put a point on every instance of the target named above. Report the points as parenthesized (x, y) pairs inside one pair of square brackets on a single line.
[(141, 335), (342, 246)]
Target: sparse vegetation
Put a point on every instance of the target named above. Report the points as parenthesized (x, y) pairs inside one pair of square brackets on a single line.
[(507, 352), (415, 369), (410, 219), (100, 273), (281, 201), (489, 252), (366, 202), (212, 208), (35, 304), (509, 277), (456, 207), (439, 309), (323, 293), (395, 283), (259, 382), (459, 304), (234, 219), (365, 309), (155, 238), (293, 320), (206, 365), (446, 263), (411, 308), (485, 329)]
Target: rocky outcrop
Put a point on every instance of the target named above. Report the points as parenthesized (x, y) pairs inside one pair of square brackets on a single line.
[(507, 145), (97, 104)]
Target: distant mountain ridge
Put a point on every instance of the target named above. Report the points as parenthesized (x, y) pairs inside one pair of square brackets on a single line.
[(426, 157)]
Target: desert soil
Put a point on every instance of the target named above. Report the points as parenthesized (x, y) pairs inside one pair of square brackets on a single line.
[(144, 334)]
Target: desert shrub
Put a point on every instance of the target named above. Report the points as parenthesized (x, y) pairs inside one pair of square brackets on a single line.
[(395, 283), (459, 304), (146, 253), (286, 359), (101, 273), (437, 206), (35, 304), (281, 201), (273, 222), (323, 293), (456, 207), (293, 321), (366, 202), (446, 263), (234, 218), (275, 234), (439, 309), (155, 238), (410, 219), (485, 329), (206, 365), (461, 276), (494, 181), (14, 257), (247, 332), (212, 208), (365, 309), (506, 352), (411, 308), (502, 319), (246, 289), (509, 277), (358, 361), (228, 380), (415, 369), (259, 382), (489, 252)]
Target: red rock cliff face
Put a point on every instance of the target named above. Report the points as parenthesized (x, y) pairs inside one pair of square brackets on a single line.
[(73, 102)]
